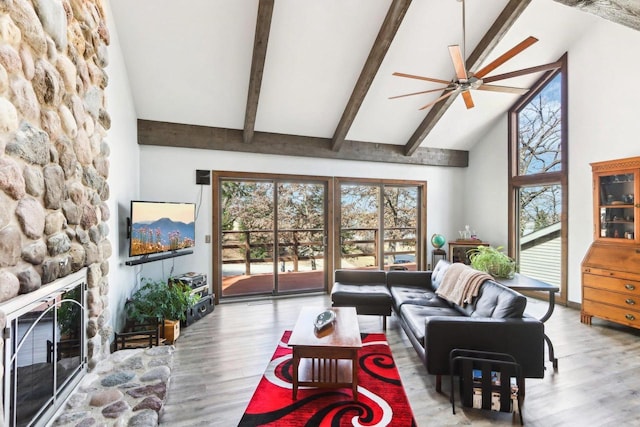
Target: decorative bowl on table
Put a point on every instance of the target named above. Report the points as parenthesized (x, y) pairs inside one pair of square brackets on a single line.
[(324, 319)]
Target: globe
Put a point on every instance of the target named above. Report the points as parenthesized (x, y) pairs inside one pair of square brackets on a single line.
[(437, 240)]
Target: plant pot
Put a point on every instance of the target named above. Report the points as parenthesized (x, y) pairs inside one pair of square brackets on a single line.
[(504, 270), (171, 329)]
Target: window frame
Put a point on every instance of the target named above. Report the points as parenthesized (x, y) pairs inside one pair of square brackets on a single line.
[(516, 181), (421, 243), (332, 212)]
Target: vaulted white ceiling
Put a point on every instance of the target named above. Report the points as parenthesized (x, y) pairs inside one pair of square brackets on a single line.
[(190, 62)]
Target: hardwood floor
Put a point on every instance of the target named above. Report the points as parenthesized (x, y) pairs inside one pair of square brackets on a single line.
[(220, 359)]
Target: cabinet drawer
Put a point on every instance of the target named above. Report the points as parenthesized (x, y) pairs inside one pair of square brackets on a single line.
[(626, 301), (624, 275), (611, 284), (609, 312)]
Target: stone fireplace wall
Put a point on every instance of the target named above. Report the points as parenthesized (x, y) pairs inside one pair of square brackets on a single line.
[(54, 158)]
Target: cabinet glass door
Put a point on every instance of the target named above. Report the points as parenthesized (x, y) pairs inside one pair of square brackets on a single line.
[(617, 206)]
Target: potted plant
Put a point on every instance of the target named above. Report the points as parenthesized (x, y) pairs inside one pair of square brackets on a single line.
[(162, 302), (493, 261)]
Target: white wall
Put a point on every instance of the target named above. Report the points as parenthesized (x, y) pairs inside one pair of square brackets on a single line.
[(603, 124), (168, 174), (123, 174), (485, 196)]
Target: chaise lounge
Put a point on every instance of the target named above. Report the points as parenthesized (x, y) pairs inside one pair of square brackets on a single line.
[(366, 290)]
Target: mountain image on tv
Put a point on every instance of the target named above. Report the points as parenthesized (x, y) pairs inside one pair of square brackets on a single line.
[(165, 234)]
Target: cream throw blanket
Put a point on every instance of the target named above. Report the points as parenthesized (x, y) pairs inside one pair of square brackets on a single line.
[(461, 283)]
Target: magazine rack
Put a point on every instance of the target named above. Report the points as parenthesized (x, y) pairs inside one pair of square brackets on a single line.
[(488, 380)]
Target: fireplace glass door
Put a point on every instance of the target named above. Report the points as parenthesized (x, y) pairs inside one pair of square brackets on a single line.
[(44, 355)]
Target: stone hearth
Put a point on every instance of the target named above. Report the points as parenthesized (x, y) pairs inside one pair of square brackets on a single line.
[(127, 389)]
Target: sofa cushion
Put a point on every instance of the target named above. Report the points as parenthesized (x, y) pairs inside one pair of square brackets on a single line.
[(438, 273), (416, 315), (497, 301), (412, 295), (415, 279), (358, 294), (361, 276)]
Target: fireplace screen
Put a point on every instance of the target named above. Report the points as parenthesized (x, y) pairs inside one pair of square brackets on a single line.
[(44, 355)]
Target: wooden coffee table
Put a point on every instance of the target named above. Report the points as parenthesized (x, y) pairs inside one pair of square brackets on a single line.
[(329, 358)]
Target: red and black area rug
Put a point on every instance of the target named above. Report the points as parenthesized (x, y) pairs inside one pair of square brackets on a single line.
[(381, 397)]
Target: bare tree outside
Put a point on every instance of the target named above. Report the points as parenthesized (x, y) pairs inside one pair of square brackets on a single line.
[(360, 224), (539, 152), (400, 220), (275, 231)]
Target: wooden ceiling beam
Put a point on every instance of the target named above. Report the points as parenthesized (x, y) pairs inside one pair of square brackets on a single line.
[(505, 20), (260, 42), (211, 138), (625, 12), (387, 32)]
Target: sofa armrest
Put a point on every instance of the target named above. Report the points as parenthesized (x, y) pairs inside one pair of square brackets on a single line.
[(523, 338)]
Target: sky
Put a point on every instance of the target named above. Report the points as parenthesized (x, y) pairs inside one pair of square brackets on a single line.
[(151, 211)]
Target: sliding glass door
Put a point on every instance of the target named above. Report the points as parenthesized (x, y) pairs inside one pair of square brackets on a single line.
[(285, 234), (273, 235), (301, 235)]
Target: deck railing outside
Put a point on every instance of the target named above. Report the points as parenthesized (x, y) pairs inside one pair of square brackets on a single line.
[(295, 245)]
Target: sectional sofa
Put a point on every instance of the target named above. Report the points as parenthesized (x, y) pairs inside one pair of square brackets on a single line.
[(493, 321)]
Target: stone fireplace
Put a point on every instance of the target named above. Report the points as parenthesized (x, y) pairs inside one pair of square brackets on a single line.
[(54, 160)]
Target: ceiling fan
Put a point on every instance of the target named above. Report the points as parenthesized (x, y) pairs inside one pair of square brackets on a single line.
[(466, 81)]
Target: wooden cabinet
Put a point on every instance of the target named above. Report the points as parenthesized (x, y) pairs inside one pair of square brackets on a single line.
[(611, 284), (458, 250), (611, 267), (616, 194)]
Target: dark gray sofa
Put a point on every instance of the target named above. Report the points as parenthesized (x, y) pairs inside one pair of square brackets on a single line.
[(494, 321)]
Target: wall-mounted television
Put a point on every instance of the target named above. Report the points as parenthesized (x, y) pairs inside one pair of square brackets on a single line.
[(158, 227)]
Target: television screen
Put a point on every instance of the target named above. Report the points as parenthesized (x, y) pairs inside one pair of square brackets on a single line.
[(161, 227)]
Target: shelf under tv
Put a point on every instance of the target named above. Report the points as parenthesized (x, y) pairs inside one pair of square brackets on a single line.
[(150, 258)]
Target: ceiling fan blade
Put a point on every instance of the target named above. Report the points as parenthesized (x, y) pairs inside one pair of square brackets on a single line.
[(524, 71), (458, 62), (439, 99), (418, 93), (429, 79), (506, 56), (468, 101), (506, 89)]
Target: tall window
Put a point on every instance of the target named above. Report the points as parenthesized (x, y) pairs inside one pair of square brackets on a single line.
[(538, 180)]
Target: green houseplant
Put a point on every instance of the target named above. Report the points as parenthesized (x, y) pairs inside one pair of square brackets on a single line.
[(493, 261), (159, 301)]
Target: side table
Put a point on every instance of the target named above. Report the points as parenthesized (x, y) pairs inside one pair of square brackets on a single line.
[(524, 283)]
